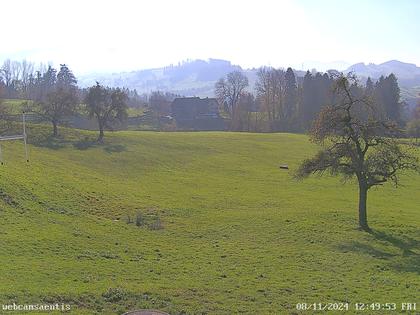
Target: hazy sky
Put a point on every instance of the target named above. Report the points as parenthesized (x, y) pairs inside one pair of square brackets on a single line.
[(121, 35)]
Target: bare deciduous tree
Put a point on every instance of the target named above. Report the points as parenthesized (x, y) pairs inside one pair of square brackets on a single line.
[(357, 143), (6, 73), (107, 106), (57, 97), (270, 88), (27, 70), (228, 91), (246, 107), (160, 104)]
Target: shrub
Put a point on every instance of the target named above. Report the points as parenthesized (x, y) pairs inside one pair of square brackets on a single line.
[(114, 295), (157, 224), (139, 219)]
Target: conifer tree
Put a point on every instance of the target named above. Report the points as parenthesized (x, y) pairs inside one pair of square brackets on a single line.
[(290, 98)]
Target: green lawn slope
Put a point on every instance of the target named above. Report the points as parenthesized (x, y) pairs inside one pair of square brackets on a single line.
[(238, 234)]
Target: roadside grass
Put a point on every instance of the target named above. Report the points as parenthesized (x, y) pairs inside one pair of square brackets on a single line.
[(238, 234)]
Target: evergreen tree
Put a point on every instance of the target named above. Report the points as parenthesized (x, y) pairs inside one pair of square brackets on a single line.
[(290, 98), (387, 93), (48, 81), (370, 87), (393, 104), (306, 110), (66, 78)]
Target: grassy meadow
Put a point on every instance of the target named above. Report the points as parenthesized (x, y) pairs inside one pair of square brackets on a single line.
[(238, 235)]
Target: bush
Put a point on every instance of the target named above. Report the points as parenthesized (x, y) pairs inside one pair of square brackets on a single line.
[(157, 224), (114, 295), (139, 219)]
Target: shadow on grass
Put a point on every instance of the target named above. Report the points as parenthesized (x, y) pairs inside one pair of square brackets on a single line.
[(365, 249), (115, 148), (49, 141), (88, 143), (85, 143), (406, 244), (59, 142), (408, 260)]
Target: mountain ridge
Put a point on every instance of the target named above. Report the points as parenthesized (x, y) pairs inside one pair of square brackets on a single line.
[(197, 77), (407, 73)]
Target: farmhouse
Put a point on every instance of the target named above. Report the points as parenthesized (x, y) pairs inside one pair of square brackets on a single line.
[(189, 108)]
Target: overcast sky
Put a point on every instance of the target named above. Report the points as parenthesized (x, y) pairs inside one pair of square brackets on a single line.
[(123, 35)]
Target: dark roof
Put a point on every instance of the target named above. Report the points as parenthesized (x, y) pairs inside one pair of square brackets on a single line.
[(193, 100), (192, 107)]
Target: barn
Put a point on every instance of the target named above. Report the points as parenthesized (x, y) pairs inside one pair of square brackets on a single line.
[(195, 113)]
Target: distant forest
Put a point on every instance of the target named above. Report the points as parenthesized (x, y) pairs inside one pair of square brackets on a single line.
[(285, 102)]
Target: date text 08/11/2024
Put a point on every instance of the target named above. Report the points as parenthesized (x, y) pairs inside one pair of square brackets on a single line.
[(404, 306)]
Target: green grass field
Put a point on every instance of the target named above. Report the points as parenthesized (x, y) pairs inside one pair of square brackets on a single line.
[(14, 106), (239, 235)]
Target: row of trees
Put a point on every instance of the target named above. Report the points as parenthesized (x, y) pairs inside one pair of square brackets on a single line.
[(280, 100), (284, 102), (54, 96), (16, 77)]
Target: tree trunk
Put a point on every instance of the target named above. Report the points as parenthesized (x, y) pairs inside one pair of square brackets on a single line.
[(55, 128), (101, 133), (363, 189), (233, 119), (256, 122)]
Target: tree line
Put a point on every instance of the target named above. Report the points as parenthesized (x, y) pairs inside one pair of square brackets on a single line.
[(54, 95), (281, 101)]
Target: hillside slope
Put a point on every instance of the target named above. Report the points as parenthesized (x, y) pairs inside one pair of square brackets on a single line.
[(239, 235)]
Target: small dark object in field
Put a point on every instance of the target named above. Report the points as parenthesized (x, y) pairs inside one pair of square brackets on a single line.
[(139, 219), (284, 167), (156, 225), (146, 312)]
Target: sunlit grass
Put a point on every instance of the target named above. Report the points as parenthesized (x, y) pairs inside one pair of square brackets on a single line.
[(239, 234)]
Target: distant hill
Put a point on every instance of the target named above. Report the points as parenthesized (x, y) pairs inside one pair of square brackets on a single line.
[(408, 75), (188, 78), (197, 77)]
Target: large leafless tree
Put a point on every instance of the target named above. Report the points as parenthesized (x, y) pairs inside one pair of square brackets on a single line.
[(357, 143), (228, 91), (107, 106), (58, 96), (270, 89)]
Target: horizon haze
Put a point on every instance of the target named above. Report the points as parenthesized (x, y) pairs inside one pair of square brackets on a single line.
[(131, 36)]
